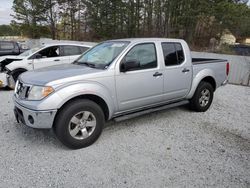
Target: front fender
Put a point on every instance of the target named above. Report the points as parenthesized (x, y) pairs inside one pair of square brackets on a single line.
[(66, 93), (18, 65), (75, 90), (197, 79)]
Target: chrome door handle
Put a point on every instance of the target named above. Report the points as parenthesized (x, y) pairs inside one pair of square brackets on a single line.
[(157, 74), (57, 60), (185, 70)]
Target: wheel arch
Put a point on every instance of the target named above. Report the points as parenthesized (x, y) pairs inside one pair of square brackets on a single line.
[(95, 98), (206, 76), (210, 80), (18, 70)]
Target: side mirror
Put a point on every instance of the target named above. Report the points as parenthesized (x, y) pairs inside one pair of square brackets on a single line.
[(129, 65)]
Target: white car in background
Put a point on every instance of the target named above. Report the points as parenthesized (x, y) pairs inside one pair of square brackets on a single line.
[(38, 57)]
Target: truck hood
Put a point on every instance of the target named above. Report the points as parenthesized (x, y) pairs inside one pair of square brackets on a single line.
[(58, 72)]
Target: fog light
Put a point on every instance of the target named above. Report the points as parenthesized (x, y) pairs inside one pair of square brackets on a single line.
[(31, 119)]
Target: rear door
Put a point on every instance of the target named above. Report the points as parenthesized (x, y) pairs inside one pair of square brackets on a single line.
[(177, 71), (142, 86)]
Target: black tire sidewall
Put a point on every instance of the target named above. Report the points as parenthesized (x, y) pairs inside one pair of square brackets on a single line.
[(16, 74), (195, 105), (63, 118)]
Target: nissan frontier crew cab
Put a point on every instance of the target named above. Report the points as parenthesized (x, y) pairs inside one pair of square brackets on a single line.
[(116, 79)]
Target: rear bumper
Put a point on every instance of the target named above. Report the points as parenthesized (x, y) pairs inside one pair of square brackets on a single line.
[(33, 118), (225, 82)]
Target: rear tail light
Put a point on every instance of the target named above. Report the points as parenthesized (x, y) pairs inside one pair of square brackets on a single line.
[(227, 68)]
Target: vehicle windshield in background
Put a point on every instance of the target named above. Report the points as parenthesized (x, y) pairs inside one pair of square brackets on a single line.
[(31, 51), (102, 55)]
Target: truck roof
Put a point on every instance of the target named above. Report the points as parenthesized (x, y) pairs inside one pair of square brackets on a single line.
[(66, 43), (148, 39)]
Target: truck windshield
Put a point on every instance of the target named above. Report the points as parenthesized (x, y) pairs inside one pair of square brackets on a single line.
[(102, 55)]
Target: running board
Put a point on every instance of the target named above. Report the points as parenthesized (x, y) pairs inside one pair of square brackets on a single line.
[(140, 113)]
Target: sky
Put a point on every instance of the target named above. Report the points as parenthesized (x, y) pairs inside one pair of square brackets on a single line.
[(5, 11)]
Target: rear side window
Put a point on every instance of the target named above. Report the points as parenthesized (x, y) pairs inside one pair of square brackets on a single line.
[(83, 49), (173, 53), (7, 45), (71, 50)]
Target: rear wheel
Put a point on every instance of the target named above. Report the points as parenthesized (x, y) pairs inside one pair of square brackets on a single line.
[(202, 98), (79, 124)]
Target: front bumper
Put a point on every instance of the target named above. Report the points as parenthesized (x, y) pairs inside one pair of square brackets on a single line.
[(33, 118), (3, 80)]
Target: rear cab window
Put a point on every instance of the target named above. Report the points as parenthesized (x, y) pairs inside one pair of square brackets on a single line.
[(173, 53)]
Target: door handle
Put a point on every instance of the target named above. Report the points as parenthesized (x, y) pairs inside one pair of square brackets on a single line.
[(157, 74), (57, 60), (185, 70)]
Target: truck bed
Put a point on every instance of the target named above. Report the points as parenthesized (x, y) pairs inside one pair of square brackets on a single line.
[(217, 66), (196, 61)]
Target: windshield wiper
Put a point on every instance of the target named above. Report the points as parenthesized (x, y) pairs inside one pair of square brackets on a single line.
[(92, 65)]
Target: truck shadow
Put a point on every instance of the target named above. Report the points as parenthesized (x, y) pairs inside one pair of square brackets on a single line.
[(129, 122), (34, 138), (5, 89)]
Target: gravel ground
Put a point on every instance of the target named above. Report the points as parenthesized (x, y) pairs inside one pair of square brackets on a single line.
[(172, 148)]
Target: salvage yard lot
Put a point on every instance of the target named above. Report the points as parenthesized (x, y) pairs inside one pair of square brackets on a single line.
[(172, 148)]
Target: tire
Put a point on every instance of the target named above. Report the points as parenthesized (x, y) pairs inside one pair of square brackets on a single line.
[(203, 97), (16, 74), (74, 125)]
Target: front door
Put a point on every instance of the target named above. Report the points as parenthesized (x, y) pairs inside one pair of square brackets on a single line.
[(142, 85), (48, 57)]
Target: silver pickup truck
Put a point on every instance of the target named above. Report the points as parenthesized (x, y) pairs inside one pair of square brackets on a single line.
[(117, 79)]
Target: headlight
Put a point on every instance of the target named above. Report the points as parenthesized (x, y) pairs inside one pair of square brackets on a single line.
[(39, 92)]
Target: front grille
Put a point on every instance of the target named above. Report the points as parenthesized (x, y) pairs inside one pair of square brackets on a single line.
[(22, 90)]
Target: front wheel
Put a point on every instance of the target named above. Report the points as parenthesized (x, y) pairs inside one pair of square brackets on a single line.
[(79, 124), (202, 98)]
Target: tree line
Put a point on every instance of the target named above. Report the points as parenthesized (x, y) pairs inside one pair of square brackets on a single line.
[(196, 21)]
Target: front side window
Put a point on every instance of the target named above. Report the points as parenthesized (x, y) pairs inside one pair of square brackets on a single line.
[(144, 55), (173, 53), (53, 51), (102, 55), (30, 51)]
